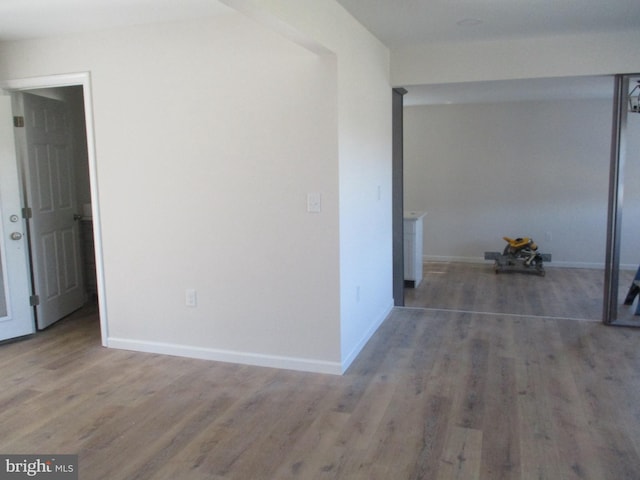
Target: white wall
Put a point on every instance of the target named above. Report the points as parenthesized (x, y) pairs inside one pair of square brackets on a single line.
[(209, 135), (364, 132), (539, 57), (536, 57), (483, 171)]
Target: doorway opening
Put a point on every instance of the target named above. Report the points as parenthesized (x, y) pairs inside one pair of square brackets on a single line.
[(46, 166), (52, 150), (522, 166), (621, 285)]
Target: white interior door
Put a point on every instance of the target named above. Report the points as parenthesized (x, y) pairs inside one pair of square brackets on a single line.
[(51, 194), (16, 314)]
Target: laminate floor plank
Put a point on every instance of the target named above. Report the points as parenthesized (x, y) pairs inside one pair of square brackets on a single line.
[(571, 430), (500, 428), (536, 424), (461, 458), (563, 292), (597, 393), (436, 394)]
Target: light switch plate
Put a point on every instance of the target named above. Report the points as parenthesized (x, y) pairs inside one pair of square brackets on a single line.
[(190, 297), (314, 203)]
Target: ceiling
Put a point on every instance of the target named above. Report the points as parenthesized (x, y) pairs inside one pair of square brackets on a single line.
[(396, 23), (24, 19), (412, 22)]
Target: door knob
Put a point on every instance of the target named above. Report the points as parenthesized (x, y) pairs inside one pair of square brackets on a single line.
[(16, 236)]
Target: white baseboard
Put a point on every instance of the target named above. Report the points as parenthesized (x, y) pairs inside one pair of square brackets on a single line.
[(598, 265), (348, 360), (444, 259), (244, 358), (247, 358)]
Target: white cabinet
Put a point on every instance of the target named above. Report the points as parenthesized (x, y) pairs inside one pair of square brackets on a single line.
[(413, 231)]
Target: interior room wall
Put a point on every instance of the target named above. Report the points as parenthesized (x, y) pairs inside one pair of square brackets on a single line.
[(364, 112), (364, 133), (595, 53), (209, 135), (539, 169)]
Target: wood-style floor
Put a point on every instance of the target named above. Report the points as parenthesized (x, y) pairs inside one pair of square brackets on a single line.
[(574, 293), (434, 395)]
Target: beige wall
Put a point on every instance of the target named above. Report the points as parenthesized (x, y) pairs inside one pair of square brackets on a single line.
[(364, 146), (209, 135), (535, 169), (536, 57), (471, 166)]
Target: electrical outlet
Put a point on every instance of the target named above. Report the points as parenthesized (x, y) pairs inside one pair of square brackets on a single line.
[(190, 297)]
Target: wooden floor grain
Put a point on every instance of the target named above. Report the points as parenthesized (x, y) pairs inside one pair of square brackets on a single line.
[(575, 293), (434, 395)]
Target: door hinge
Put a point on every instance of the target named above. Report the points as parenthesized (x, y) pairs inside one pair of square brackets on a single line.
[(34, 300), (27, 212), (18, 122)]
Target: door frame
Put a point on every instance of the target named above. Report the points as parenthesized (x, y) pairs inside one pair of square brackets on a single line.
[(82, 79), (398, 195), (615, 201)]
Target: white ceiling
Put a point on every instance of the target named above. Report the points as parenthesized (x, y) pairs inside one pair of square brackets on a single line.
[(399, 23), (394, 22), (23, 19), (404, 22)]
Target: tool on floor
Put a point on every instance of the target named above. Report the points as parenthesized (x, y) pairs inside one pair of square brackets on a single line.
[(634, 290), (520, 255)]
